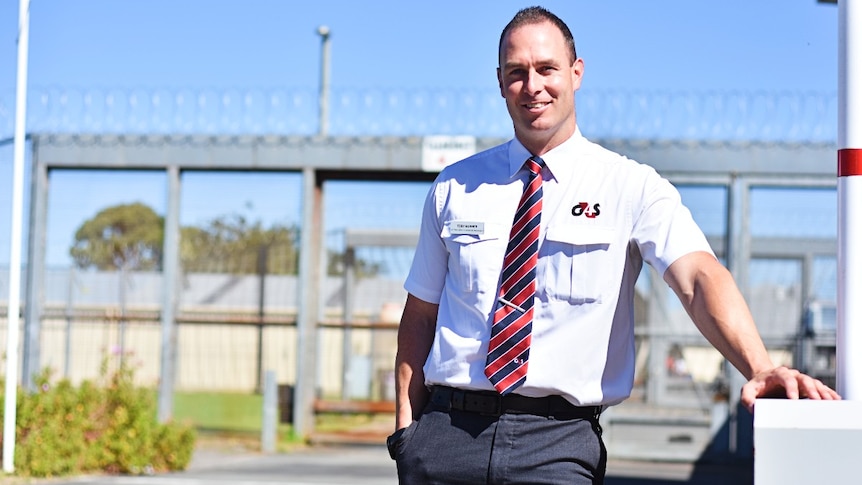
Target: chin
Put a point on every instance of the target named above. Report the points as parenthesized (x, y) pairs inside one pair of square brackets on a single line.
[(538, 127)]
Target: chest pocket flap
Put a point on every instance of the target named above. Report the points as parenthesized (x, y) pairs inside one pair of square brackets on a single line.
[(579, 262), (475, 258)]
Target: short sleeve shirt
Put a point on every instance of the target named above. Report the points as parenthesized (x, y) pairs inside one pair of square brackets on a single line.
[(603, 215)]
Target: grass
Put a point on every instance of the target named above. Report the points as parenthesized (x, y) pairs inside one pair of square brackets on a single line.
[(234, 420), (240, 412), (228, 420)]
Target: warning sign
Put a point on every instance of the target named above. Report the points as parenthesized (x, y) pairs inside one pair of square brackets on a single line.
[(441, 150)]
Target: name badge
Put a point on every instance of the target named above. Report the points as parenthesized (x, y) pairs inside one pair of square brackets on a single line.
[(466, 227)]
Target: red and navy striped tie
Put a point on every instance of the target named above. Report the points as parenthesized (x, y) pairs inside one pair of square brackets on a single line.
[(509, 347)]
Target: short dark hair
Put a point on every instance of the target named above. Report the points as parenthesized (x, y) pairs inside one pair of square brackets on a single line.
[(537, 15)]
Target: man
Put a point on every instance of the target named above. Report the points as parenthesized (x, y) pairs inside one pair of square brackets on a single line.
[(518, 326)]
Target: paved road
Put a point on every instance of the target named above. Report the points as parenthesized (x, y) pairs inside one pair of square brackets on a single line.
[(370, 465)]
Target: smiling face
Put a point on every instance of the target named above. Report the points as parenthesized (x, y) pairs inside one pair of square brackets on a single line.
[(538, 77)]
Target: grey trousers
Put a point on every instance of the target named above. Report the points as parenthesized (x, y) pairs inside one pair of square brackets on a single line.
[(458, 447)]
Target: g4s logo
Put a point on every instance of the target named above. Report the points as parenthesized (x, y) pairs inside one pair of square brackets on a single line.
[(584, 208)]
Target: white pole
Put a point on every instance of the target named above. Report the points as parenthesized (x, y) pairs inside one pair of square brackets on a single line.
[(849, 318), (15, 250)]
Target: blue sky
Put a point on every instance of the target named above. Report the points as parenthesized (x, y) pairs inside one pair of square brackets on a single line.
[(628, 45), (657, 44)]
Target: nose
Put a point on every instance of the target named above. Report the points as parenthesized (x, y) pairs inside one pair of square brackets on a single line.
[(533, 84)]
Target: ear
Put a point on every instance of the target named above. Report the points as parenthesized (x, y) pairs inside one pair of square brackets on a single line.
[(500, 82), (577, 73)]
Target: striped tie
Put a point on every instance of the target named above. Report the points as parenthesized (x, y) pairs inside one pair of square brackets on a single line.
[(509, 347)]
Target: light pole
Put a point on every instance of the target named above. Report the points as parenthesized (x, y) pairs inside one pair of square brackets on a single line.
[(12, 319), (323, 32)]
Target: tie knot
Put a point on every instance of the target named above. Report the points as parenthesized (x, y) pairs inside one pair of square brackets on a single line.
[(534, 165)]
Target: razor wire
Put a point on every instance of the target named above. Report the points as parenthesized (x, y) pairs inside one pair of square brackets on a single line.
[(720, 116)]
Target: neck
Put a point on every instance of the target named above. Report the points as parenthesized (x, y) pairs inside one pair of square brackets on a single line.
[(539, 145)]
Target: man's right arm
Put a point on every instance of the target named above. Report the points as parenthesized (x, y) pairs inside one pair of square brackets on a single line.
[(415, 337)]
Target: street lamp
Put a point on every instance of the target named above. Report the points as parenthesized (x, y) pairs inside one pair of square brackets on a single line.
[(323, 32)]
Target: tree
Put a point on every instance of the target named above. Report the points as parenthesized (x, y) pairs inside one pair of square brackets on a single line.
[(130, 237), (230, 244), (126, 236)]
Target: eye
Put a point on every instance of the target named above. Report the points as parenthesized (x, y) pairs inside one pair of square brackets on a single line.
[(516, 72)]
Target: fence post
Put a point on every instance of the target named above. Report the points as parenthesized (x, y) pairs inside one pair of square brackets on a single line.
[(170, 299)]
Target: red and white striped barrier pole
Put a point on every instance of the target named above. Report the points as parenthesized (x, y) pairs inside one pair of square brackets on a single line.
[(849, 314)]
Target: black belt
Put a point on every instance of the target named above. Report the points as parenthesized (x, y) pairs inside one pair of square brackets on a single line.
[(490, 403)]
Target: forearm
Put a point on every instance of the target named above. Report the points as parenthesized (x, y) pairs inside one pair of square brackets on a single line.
[(713, 301), (415, 337), (719, 311)]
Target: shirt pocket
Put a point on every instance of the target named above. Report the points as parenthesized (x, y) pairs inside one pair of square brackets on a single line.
[(475, 259), (579, 263)]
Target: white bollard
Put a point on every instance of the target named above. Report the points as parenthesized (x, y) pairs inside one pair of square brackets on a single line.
[(269, 424), (807, 441)]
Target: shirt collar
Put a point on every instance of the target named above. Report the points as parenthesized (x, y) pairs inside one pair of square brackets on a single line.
[(559, 160)]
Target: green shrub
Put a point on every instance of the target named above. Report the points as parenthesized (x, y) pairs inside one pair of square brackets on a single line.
[(107, 427)]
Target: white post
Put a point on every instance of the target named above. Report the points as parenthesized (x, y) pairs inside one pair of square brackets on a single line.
[(269, 418), (849, 317), (15, 246)]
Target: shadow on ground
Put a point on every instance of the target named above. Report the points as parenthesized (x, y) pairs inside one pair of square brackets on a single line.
[(716, 465), (738, 473)]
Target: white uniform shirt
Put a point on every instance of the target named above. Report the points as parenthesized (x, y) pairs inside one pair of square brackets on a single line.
[(603, 215)]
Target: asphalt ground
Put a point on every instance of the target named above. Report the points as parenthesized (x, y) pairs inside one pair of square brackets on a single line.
[(371, 465)]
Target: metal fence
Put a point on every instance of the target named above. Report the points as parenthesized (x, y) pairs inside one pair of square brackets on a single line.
[(225, 339), (233, 326)]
